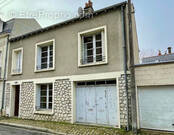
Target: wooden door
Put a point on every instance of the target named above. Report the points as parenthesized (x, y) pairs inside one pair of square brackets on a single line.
[(17, 93)]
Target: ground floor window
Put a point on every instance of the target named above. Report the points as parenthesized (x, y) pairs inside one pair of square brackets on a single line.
[(44, 96)]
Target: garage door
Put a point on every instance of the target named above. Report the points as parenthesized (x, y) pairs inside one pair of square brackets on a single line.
[(97, 102), (156, 107)]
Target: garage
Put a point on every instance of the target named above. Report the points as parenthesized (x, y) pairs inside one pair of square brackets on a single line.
[(156, 107), (97, 102)]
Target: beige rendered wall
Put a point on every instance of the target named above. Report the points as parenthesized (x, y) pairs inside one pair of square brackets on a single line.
[(159, 74), (66, 58)]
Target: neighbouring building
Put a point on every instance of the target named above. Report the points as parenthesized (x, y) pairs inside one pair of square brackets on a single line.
[(73, 71), (155, 92), (11, 29), (168, 56)]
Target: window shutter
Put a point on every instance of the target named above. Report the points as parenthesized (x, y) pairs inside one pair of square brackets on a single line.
[(37, 97), (82, 49), (38, 57)]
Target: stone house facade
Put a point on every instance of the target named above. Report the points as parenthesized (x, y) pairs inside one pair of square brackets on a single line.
[(73, 71)]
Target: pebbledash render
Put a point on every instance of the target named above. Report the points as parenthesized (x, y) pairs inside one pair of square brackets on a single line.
[(73, 71)]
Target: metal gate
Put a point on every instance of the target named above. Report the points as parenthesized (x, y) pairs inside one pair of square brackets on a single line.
[(97, 103), (156, 107)]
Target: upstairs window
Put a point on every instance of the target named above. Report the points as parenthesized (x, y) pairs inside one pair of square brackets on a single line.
[(17, 61), (93, 47), (45, 56), (44, 97)]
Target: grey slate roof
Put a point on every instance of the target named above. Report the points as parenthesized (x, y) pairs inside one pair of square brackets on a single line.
[(156, 59), (76, 19)]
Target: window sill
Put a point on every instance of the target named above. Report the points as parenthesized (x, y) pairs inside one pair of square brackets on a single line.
[(44, 70), (47, 112), (16, 73), (93, 64)]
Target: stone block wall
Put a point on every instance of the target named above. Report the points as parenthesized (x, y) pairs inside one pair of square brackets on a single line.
[(7, 96), (62, 102), (123, 100)]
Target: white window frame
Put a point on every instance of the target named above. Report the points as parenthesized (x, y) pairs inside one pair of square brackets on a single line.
[(1, 63), (43, 111), (103, 29), (14, 60), (40, 44)]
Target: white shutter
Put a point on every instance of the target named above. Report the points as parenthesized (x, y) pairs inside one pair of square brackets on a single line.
[(38, 96), (103, 44), (38, 57)]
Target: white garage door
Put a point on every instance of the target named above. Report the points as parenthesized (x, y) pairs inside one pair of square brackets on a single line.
[(97, 102), (156, 107)]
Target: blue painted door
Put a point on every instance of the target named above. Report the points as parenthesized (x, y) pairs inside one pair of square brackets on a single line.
[(97, 105)]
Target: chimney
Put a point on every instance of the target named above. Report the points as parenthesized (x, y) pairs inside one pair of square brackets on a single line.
[(88, 8), (1, 25), (169, 50), (159, 53)]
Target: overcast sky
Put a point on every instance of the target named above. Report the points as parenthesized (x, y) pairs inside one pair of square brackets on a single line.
[(155, 18)]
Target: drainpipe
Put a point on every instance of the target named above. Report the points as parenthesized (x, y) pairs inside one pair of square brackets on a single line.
[(4, 78), (125, 59)]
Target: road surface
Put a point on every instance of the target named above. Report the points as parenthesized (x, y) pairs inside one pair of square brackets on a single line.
[(7, 130)]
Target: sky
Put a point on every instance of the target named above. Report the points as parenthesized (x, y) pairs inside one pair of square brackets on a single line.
[(154, 18)]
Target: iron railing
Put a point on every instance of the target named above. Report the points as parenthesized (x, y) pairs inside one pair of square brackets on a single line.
[(93, 60)]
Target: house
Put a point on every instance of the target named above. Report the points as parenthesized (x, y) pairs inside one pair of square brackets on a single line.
[(168, 56), (155, 92), (10, 29), (73, 71)]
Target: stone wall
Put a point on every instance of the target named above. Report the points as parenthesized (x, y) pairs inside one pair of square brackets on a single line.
[(7, 96), (62, 102), (123, 100)]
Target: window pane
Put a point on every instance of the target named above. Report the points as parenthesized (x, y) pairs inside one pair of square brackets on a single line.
[(99, 51), (98, 36), (89, 52), (43, 105), (43, 66), (50, 99), (51, 47), (43, 87), (89, 46), (98, 44), (90, 59), (99, 58), (43, 93), (44, 54), (43, 99), (88, 39), (44, 60), (44, 49), (50, 105)]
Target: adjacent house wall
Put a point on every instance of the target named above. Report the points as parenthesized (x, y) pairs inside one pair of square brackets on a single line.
[(158, 74)]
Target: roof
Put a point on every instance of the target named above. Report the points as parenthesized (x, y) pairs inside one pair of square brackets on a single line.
[(76, 19), (156, 59), (17, 26), (157, 63)]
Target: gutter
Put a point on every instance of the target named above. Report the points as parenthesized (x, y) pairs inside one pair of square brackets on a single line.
[(4, 78), (125, 59)]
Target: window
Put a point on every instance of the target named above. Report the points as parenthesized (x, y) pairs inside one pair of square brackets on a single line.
[(44, 97), (45, 56), (93, 47), (17, 61)]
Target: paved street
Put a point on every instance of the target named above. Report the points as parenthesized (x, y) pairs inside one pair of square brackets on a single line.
[(6, 130)]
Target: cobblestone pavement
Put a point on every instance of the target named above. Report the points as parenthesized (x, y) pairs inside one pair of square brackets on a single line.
[(7, 130)]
